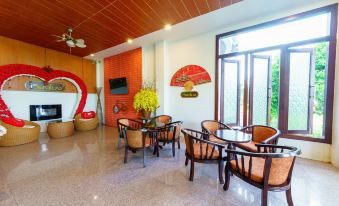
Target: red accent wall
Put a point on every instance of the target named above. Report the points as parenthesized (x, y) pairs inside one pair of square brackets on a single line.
[(129, 65)]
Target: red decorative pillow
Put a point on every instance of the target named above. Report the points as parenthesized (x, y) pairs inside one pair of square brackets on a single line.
[(14, 122), (87, 115)]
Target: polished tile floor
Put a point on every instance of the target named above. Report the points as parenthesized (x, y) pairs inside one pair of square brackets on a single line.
[(87, 169)]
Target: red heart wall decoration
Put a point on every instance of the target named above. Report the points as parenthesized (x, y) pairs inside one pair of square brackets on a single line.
[(13, 70)]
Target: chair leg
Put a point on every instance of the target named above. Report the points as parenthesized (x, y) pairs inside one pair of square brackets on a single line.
[(289, 197), (173, 148), (119, 141), (220, 168), (192, 170), (186, 161), (143, 156), (227, 178), (158, 149), (126, 154), (264, 194)]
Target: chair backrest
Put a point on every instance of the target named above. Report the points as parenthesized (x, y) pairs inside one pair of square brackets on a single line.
[(261, 133), (122, 123), (169, 131), (166, 119), (210, 126), (129, 123), (278, 162), (199, 147), (134, 138)]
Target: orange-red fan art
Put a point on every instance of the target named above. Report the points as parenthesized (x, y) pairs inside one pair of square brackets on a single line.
[(189, 76), (194, 73)]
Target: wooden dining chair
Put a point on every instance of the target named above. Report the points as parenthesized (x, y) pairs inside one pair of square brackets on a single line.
[(260, 135), (210, 126), (136, 139), (200, 150), (123, 123), (166, 119), (270, 170), (170, 133)]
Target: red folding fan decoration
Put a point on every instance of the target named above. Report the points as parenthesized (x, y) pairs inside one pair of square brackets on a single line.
[(194, 73)]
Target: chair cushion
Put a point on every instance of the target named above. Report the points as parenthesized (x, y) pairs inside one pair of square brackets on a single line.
[(28, 126), (249, 146), (85, 120), (88, 115), (201, 153), (278, 174), (14, 121)]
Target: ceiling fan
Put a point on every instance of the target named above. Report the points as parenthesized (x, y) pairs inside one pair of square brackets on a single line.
[(70, 41)]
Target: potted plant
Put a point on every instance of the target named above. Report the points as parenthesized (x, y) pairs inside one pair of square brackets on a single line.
[(146, 100)]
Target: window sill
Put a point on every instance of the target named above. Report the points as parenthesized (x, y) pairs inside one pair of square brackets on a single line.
[(305, 138)]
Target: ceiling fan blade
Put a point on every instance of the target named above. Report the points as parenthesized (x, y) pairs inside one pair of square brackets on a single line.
[(80, 43), (56, 36), (70, 43)]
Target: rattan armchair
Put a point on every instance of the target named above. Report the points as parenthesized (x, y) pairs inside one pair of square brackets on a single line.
[(20, 135), (260, 135), (124, 122), (199, 149), (136, 138), (85, 124), (170, 133), (210, 126), (270, 170), (166, 119)]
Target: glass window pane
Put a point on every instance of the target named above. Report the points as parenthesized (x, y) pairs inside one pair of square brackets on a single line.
[(290, 32), (275, 81), (298, 100), (230, 91), (321, 62), (260, 89)]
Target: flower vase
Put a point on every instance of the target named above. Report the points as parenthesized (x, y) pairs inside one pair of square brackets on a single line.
[(146, 114)]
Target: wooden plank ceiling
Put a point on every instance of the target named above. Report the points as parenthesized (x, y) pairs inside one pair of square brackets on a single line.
[(101, 23)]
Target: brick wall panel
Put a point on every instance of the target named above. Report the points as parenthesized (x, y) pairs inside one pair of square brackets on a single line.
[(129, 65)]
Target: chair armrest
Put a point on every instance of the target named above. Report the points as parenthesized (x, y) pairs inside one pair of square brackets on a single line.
[(244, 128), (262, 155), (273, 139)]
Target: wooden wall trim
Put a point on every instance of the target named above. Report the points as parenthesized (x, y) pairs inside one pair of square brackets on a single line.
[(17, 52)]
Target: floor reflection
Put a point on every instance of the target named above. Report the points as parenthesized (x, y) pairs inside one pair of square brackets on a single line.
[(88, 169)]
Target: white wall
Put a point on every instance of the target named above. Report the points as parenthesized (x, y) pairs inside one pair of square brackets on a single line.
[(197, 50), (200, 50), (19, 101), (148, 64)]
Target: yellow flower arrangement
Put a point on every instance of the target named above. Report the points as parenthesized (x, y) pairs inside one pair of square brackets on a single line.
[(146, 99)]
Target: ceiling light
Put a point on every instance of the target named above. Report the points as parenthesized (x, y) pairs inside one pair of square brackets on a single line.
[(168, 27), (129, 41), (92, 55)]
